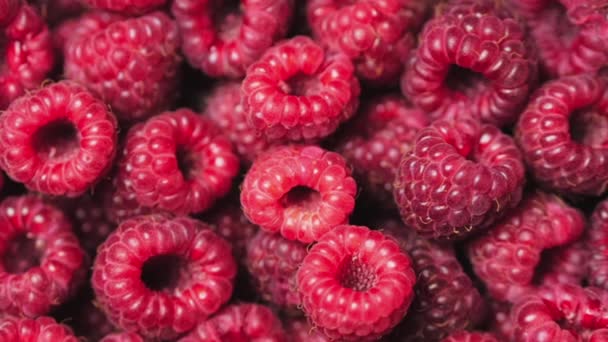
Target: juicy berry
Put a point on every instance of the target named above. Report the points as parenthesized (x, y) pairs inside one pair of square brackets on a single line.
[(39, 329)]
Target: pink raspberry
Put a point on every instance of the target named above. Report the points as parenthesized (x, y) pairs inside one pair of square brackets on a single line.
[(301, 192), (122, 337), (298, 91), (158, 276), (466, 336), (39, 329), (128, 7), (597, 244), (346, 276), (299, 330)]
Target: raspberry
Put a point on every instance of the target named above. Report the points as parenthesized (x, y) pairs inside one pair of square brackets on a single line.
[(459, 178), (128, 7), (239, 322), (157, 276), (377, 138), (300, 191), (297, 91), (223, 38), (597, 243), (120, 203), (8, 11), (122, 337), (472, 57), (500, 319), (132, 64), (42, 260), (465, 336), (39, 329), (178, 162), (506, 257), (562, 135), (562, 265), (345, 277), (301, 331)]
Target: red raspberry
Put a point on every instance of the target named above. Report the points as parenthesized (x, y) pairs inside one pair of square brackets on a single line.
[(563, 135), (459, 178), (472, 57), (465, 336), (506, 257), (158, 276), (346, 276), (43, 262), (178, 162), (224, 38), (122, 337), (299, 330), (128, 7), (597, 243), (132, 64), (300, 191), (239, 322), (39, 329), (297, 91)]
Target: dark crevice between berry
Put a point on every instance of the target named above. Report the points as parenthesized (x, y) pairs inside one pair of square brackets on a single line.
[(163, 272), (302, 197), (22, 254), (187, 164), (588, 127), (300, 85), (564, 28), (58, 140), (465, 81), (356, 275), (227, 18)]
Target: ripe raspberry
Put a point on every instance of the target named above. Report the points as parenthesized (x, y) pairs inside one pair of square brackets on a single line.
[(301, 192), (597, 243), (299, 330), (564, 265), (39, 329), (239, 322), (128, 7), (466, 336), (347, 274), (459, 178), (297, 91), (122, 337), (563, 136), (224, 38), (157, 276), (132, 64), (507, 257), (472, 57), (42, 260)]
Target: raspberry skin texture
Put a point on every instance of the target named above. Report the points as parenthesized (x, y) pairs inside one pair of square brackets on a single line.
[(297, 91), (479, 37), (39, 329), (299, 330), (566, 158), (59, 140), (122, 337), (597, 244), (223, 41), (346, 274), (301, 192), (126, 7), (177, 162), (197, 277), (56, 266), (239, 322), (459, 178), (131, 64), (467, 336)]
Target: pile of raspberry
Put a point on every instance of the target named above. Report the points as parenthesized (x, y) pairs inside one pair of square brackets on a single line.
[(304, 170)]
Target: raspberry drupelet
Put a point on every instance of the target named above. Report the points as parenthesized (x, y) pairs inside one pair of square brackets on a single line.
[(298, 91), (597, 244), (122, 337), (356, 284), (472, 58), (59, 140), (301, 192), (459, 178), (158, 276), (222, 38), (467, 336), (39, 329), (127, 7)]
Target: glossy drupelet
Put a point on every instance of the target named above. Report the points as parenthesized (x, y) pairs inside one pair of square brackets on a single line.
[(39, 329)]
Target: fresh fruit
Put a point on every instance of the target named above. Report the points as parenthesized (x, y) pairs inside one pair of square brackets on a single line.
[(39, 329)]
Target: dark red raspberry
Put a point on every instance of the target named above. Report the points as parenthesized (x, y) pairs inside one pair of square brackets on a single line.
[(39, 329), (301, 192), (299, 330), (563, 135), (239, 322), (122, 337), (132, 64), (129, 7), (42, 259), (356, 284), (158, 276), (564, 265), (178, 162), (223, 38), (507, 257), (459, 178), (499, 322), (472, 58), (597, 243), (466, 336), (297, 91)]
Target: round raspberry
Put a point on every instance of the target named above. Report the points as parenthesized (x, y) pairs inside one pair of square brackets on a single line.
[(132, 64), (157, 276), (299, 330), (507, 257), (597, 244), (223, 38), (39, 329), (122, 337), (300, 191), (42, 262), (239, 322), (178, 162), (297, 91), (128, 7), (346, 276), (563, 135), (459, 178), (472, 58), (466, 336)]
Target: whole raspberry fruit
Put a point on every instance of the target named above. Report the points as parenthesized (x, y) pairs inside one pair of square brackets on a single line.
[(132, 64), (122, 337), (158, 276), (459, 178), (59, 140), (473, 58), (299, 330), (597, 244), (39, 329), (128, 7), (301, 192), (562, 134), (466, 336), (298, 91), (346, 276)]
